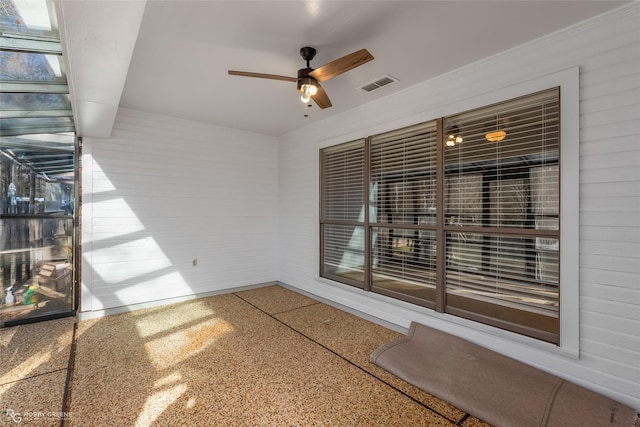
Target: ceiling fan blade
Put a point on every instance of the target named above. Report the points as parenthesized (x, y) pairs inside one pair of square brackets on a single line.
[(341, 65), (321, 98), (263, 76)]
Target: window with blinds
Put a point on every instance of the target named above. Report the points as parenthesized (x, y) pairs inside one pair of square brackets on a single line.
[(501, 214), (403, 176), (342, 216), (462, 214)]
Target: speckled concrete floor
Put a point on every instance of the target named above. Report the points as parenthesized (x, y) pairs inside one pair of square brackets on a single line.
[(266, 356), (34, 361)]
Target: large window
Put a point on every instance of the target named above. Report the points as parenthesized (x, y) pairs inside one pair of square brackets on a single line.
[(462, 214)]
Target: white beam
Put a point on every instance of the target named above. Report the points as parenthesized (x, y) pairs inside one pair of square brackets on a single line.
[(98, 39)]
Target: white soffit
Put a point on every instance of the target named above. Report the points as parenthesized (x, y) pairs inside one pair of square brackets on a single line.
[(98, 39)]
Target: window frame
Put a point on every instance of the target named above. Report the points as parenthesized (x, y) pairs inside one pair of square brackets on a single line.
[(568, 82)]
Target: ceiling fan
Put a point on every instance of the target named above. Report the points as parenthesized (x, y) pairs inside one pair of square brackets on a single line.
[(308, 80)]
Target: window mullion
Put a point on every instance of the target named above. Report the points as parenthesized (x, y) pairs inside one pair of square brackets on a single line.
[(367, 209), (440, 234)]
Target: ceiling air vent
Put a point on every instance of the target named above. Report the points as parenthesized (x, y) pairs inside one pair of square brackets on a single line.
[(379, 82)]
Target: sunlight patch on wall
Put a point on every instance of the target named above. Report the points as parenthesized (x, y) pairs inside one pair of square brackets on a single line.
[(133, 259), (118, 217), (168, 286), (100, 183), (94, 301)]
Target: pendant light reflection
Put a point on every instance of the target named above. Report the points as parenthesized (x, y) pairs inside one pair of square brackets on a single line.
[(454, 137), (452, 140), (496, 136)]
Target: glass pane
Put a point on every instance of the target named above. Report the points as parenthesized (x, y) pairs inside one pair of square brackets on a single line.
[(499, 276), (35, 18), (343, 182), (26, 192), (343, 252), (37, 241), (27, 66), (545, 191), (464, 200), (509, 202), (20, 126), (44, 142), (403, 169), (502, 166), (48, 154), (34, 101), (36, 265), (403, 261)]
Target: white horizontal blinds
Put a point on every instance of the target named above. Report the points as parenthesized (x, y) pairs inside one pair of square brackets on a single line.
[(342, 212), (343, 252), (507, 286), (343, 182), (404, 263), (403, 182), (501, 212), (403, 167)]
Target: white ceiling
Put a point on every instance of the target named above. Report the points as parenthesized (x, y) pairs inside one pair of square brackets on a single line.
[(183, 50)]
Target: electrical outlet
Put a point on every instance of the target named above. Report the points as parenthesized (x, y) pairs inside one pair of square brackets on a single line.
[(194, 262)]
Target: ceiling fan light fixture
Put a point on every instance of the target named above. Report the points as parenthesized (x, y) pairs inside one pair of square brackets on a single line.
[(496, 136), (307, 86), (308, 80)]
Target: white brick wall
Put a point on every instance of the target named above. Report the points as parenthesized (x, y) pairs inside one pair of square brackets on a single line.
[(607, 52)]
